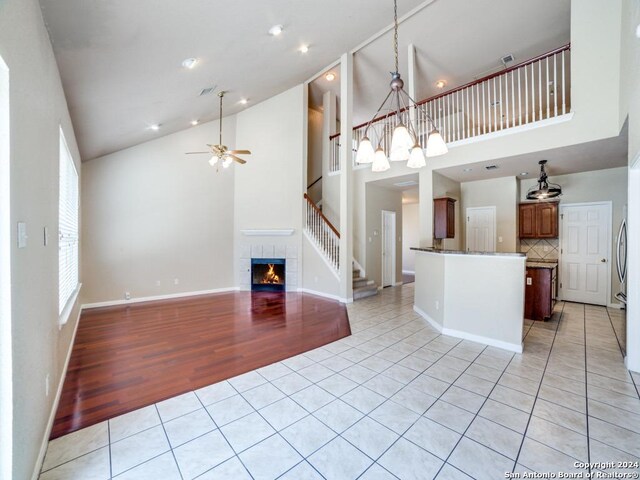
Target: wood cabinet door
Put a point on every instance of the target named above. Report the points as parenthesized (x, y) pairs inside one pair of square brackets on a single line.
[(527, 220), (444, 218), (547, 220)]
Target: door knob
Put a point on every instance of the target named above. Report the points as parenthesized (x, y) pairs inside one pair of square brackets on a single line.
[(604, 260)]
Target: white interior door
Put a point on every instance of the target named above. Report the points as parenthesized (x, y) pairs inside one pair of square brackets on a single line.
[(481, 229), (388, 248), (585, 246)]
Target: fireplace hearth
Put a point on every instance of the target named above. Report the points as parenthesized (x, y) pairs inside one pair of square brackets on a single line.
[(268, 274)]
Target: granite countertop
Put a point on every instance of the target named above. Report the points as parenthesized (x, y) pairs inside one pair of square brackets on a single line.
[(462, 252), (548, 265)]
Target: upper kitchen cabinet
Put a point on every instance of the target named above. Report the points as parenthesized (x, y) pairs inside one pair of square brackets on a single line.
[(444, 217), (539, 220)]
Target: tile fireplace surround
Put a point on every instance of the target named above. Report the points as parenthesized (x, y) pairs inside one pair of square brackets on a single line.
[(269, 250)]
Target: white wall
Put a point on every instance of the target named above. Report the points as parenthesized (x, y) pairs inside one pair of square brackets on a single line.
[(501, 193), (314, 164), (410, 235), (378, 199), (630, 103), (598, 186), (152, 214), (269, 190), (38, 108)]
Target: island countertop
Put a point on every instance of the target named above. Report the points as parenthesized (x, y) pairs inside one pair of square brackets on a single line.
[(462, 252)]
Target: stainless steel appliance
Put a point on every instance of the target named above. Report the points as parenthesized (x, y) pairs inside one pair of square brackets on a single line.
[(621, 260)]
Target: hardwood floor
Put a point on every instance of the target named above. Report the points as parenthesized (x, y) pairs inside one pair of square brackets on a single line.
[(127, 357)]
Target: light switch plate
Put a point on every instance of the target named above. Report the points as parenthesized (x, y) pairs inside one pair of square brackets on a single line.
[(22, 235)]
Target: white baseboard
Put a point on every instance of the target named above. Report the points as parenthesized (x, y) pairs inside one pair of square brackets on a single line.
[(424, 315), (330, 296), (54, 408), (408, 272), (169, 296), (619, 306), (397, 284), (512, 347)]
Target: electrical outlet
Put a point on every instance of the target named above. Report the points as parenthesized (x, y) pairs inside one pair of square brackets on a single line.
[(545, 248), (46, 385), (127, 296), (157, 283), (437, 305), (499, 239), (529, 281), (176, 281)]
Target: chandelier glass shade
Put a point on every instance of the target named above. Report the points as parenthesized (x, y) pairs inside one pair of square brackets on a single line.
[(406, 142), (543, 190)]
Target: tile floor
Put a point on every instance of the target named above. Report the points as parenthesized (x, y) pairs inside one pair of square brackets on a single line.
[(393, 400)]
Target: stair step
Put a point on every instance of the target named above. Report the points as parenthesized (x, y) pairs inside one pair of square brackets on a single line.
[(365, 291), (360, 282)]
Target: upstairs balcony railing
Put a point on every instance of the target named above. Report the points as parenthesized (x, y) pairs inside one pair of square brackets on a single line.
[(536, 90)]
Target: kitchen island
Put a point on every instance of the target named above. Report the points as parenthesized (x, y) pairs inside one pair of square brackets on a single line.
[(477, 296)]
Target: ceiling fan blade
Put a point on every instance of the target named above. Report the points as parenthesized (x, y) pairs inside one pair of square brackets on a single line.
[(236, 159), (239, 152), (197, 153)]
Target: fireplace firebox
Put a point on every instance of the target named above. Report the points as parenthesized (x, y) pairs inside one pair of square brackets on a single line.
[(268, 274)]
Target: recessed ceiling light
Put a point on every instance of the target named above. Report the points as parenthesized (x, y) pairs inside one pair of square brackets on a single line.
[(467, 169), (275, 30), (194, 122), (244, 101), (304, 48), (155, 127), (524, 174), (190, 63), (441, 84), (330, 76)]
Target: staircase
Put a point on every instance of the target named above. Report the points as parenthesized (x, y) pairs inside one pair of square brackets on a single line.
[(362, 286), (327, 238)]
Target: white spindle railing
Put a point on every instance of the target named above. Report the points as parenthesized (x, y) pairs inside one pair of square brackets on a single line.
[(536, 90), (323, 233), (334, 153)]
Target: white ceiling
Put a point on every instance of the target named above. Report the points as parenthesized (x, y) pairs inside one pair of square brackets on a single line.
[(120, 60)]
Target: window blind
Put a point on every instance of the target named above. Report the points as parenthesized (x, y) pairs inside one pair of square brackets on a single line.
[(68, 238)]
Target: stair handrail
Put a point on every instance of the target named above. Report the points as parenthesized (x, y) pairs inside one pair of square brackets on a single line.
[(325, 219)]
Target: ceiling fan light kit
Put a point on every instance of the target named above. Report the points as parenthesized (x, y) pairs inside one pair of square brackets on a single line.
[(220, 154), (405, 143)]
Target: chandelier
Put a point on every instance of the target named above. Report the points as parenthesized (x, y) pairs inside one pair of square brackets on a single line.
[(405, 139), (543, 189)]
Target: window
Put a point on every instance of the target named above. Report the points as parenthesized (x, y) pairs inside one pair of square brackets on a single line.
[(67, 231)]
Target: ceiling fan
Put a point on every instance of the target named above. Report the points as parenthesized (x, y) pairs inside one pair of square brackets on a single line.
[(220, 153)]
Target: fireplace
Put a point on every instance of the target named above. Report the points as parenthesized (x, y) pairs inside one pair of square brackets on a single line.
[(268, 274)]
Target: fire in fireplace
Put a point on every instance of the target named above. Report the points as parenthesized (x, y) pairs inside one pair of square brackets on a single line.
[(268, 274)]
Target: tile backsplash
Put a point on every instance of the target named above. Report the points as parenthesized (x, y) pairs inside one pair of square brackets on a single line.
[(540, 249)]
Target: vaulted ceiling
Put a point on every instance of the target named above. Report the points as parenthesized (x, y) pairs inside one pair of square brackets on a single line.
[(120, 60)]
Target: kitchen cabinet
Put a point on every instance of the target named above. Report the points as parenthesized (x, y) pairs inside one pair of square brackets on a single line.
[(540, 292), (538, 220), (444, 217)]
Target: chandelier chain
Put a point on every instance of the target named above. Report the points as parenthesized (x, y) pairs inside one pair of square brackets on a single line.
[(395, 33)]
